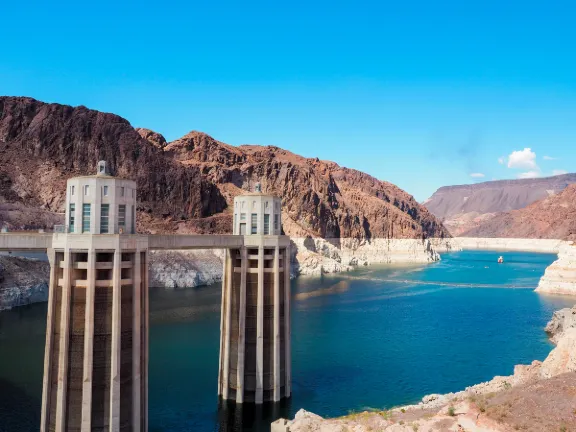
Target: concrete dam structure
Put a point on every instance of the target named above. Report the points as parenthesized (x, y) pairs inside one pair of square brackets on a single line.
[(96, 355)]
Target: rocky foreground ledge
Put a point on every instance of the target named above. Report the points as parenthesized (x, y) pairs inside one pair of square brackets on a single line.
[(540, 397)]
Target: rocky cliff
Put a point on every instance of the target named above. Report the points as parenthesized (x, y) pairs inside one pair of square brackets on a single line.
[(465, 207)]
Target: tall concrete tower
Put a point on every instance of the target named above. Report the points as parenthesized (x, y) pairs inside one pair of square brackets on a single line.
[(96, 358), (255, 323)]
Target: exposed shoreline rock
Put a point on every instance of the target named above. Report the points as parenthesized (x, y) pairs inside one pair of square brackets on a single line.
[(22, 281), (185, 269), (511, 244), (485, 407), (561, 321), (560, 276), (318, 255)]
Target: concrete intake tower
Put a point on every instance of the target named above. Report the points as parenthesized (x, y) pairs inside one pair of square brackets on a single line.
[(255, 324), (95, 366), (96, 356)]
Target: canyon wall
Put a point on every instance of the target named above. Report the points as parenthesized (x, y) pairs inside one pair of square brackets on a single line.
[(188, 185)]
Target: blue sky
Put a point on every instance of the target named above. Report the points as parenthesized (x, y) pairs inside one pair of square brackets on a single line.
[(421, 94)]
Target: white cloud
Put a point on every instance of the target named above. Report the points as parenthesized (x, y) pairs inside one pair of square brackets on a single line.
[(523, 159), (501, 160), (549, 158), (559, 172), (477, 175), (529, 174)]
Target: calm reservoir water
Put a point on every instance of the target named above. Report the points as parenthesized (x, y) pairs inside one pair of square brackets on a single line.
[(376, 337)]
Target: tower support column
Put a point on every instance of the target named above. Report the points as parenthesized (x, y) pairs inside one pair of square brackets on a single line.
[(95, 369), (48, 360), (287, 324), (88, 343), (253, 321), (241, 326), (259, 397), (276, 330)]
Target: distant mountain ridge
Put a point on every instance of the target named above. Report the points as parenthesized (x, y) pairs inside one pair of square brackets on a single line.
[(553, 217), (465, 207), (495, 196)]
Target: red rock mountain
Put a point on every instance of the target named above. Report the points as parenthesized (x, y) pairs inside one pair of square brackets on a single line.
[(553, 217), (188, 185)]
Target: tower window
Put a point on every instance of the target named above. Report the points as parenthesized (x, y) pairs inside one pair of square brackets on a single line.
[(275, 222), (86, 217), (86, 189), (122, 216), (266, 223), (72, 190), (122, 191), (105, 190), (71, 216), (253, 224), (242, 216), (104, 218)]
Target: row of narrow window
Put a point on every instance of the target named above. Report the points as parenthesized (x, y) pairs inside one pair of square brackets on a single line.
[(254, 223), (104, 218), (104, 191), (266, 203)]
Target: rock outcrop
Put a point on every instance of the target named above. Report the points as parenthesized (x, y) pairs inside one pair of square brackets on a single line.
[(22, 281), (500, 405), (466, 209), (560, 276), (561, 321)]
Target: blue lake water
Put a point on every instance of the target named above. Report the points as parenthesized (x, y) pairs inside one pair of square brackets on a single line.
[(377, 337)]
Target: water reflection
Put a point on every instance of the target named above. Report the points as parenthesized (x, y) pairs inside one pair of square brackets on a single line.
[(19, 411), (234, 417)]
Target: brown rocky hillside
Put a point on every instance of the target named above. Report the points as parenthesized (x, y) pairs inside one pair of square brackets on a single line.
[(553, 217), (188, 185)]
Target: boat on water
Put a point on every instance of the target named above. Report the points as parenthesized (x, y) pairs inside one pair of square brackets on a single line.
[(500, 260)]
